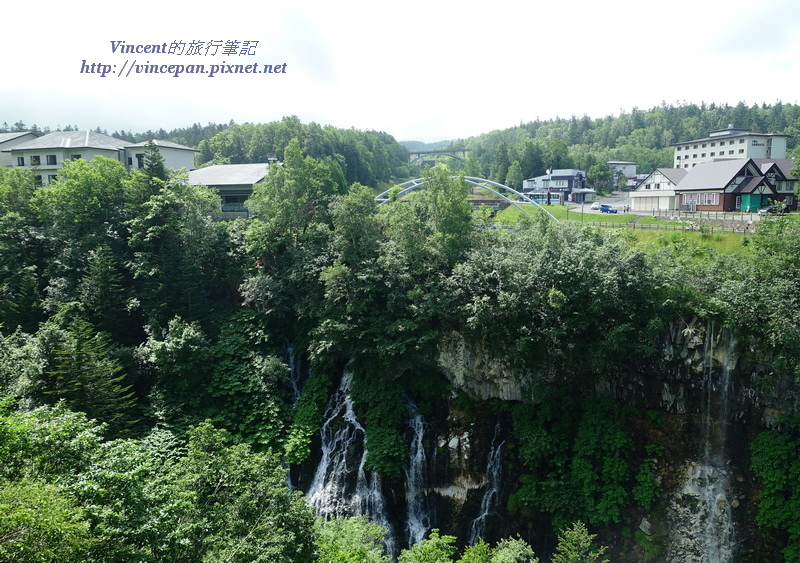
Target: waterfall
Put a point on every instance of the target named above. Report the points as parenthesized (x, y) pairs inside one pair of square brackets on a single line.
[(295, 374), (334, 493), (704, 531), (417, 521), (494, 475)]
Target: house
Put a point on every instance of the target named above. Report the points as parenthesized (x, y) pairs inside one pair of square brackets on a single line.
[(731, 142), (46, 154), (8, 140), (233, 182), (558, 186), (657, 190), (737, 185), (175, 156), (622, 168)]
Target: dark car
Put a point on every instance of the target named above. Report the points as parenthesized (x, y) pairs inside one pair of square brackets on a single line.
[(607, 209)]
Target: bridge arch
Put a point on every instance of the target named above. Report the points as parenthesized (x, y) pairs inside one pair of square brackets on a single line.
[(500, 190)]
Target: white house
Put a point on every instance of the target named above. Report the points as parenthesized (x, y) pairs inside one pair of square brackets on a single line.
[(657, 190), (8, 140), (731, 142), (46, 154), (175, 156)]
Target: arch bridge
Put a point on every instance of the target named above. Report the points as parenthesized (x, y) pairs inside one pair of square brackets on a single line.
[(458, 154), (510, 195)]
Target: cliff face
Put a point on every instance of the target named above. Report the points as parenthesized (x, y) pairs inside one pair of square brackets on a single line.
[(707, 398), (692, 414)]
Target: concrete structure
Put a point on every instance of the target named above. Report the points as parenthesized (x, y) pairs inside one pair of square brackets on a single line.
[(9, 140), (627, 169), (175, 156), (729, 143), (46, 154), (233, 182)]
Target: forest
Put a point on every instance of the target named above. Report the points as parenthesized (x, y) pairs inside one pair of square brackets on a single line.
[(153, 408)]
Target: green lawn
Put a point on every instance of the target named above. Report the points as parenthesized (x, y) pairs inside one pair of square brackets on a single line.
[(511, 214), (721, 241)]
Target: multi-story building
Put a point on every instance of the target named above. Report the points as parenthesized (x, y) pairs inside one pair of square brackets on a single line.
[(8, 140), (729, 143), (46, 155), (558, 186)]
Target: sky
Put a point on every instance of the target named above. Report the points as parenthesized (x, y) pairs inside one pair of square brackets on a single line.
[(422, 70)]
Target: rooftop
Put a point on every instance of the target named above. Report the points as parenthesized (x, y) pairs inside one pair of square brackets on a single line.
[(229, 174)]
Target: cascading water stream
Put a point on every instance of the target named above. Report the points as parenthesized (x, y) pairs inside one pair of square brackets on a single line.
[(417, 520), (342, 486), (494, 475), (704, 531), (295, 374)]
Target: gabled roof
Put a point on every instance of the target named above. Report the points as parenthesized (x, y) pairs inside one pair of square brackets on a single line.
[(163, 144), (229, 174), (716, 174), (784, 165), (753, 184), (72, 140), (5, 137), (674, 175)]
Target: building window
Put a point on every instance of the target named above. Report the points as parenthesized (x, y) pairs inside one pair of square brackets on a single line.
[(740, 151), (51, 178), (678, 149), (789, 199), (713, 144), (74, 156), (711, 154), (730, 152), (51, 160), (20, 161), (701, 199), (703, 155), (36, 160), (139, 160), (704, 145), (130, 161), (694, 156), (695, 146), (38, 179), (741, 141)]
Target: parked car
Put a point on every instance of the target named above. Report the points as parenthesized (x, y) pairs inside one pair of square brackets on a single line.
[(595, 205), (607, 209), (771, 209)]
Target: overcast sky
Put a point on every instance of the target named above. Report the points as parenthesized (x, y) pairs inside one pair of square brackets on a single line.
[(419, 70)]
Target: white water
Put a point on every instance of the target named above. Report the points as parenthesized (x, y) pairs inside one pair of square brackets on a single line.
[(494, 475), (295, 374), (333, 493), (417, 519)]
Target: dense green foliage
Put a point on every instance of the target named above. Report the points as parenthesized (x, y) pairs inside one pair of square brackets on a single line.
[(125, 298), (776, 463)]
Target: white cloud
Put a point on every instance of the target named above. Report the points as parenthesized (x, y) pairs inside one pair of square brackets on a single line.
[(417, 69)]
